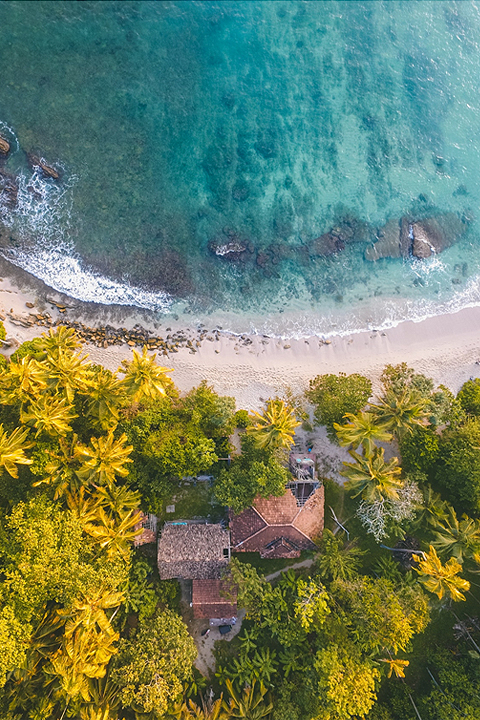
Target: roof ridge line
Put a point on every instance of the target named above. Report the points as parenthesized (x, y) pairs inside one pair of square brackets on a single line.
[(252, 536)]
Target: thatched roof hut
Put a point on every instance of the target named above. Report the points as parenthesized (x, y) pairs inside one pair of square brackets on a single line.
[(191, 551)]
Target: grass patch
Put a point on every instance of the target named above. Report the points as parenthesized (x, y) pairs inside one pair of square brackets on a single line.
[(267, 566), (193, 502)]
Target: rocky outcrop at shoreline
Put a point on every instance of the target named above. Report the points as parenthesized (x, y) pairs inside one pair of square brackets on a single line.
[(107, 335), (419, 238), (39, 164), (4, 146)]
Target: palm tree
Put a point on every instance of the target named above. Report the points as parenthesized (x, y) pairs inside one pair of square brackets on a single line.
[(104, 396), (337, 560), (61, 469), (275, 428), (116, 499), (396, 666), (441, 579), (82, 505), (432, 511), (208, 710), (459, 539), (105, 702), (59, 340), (66, 373), (111, 535), (104, 459), (12, 450), (82, 656), (89, 611), (49, 415), (250, 704), (264, 664), (371, 477), (143, 377), (362, 429), (400, 413), (25, 379)]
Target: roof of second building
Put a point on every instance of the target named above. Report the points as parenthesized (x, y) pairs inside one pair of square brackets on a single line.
[(192, 551), (208, 600)]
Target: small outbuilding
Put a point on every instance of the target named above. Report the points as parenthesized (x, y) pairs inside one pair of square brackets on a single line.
[(193, 551), (209, 601)]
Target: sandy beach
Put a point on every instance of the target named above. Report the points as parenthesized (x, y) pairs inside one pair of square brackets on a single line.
[(252, 369)]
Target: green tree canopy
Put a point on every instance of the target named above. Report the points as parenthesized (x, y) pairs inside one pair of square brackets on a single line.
[(457, 470), (151, 667), (346, 683), (335, 395)]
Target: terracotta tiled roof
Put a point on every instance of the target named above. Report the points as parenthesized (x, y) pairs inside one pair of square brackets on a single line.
[(192, 551), (278, 510), (277, 527), (310, 519), (208, 602), (245, 525)]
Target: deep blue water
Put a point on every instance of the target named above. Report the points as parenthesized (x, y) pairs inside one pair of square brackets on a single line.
[(184, 126)]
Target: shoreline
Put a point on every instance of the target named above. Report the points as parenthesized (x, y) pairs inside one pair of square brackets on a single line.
[(254, 368)]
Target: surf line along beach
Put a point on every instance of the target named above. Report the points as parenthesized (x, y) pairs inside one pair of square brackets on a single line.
[(254, 368)]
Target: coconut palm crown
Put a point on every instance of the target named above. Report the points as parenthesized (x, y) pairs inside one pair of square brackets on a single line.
[(371, 477), (143, 377), (458, 538), (399, 413), (442, 580), (275, 428), (362, 429)]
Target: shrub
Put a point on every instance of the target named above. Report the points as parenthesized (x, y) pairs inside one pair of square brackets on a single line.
[(469, 397), (420, 450), (242, 419), (335, 395)]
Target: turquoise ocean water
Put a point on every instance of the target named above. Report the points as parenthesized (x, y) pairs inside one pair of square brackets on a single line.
[(182, 126)]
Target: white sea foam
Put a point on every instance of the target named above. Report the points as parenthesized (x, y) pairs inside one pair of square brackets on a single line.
[(42, 223), (63, 271), (7, 132)]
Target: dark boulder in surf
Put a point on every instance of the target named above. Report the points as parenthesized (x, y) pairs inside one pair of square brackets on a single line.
[(4, 146), (47, 170), (434, 235), (420, 238)]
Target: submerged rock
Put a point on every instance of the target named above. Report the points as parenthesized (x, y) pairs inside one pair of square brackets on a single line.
[(325, 245), (47, 170), (4, 146), (388, 243), (433, 235), (418, 238), (233, 249)]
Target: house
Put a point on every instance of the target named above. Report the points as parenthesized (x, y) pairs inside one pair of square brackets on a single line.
[(281, 527), (209, 602), (193, 551)]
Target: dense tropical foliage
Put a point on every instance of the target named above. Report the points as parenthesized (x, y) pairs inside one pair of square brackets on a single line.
[(381, 621)]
